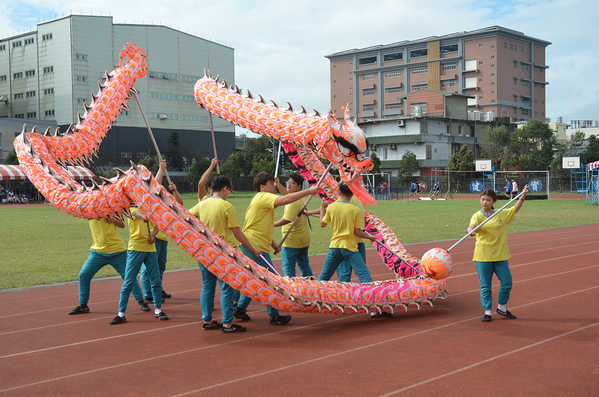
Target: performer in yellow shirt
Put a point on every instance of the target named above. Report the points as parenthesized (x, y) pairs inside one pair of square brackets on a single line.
[(258, 228), (220, 217), (344, 270), (295, 247), (108, 249), (491, 253), (346, 222), (141, 250)]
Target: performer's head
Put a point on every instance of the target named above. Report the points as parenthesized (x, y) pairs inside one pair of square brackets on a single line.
[(265, 182), (488, 197), (220, 182), (295, 182), (344, 190)]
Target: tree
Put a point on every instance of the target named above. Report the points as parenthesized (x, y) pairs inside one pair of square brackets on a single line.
[(494, 144), (257, 155), (376, 162), (569, 148), (407, 166), (460, 161), (11, 159), (174, 153), (197, 168), (591, 153), (151, 163), (531, 147)]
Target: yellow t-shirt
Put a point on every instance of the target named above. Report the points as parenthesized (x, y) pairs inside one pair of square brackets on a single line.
[(138, 235), (107, 239), (491, 238), (259, 221), (344, 217), (300, 234), (160, 235), (219, 216), (195, 210)]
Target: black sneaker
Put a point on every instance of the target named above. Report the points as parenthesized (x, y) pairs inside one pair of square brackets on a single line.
[(118, 320), (240, 314), (380, 315), (213, 325), (233, 328), (165, 295), (79, 310), (280, 320), (487, 318), (506, 314), (161, 316), (151, 300), (143, 306)]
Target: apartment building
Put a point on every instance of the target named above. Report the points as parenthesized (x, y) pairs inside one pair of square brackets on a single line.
[(47, 75), (501, 70)]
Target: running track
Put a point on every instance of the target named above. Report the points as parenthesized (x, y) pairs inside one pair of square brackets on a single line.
[(551, 349)]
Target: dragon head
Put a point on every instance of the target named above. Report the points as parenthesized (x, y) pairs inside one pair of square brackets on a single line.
[(346, 146)]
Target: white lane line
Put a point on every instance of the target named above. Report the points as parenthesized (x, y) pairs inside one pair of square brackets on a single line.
[(162, 357), (499, 356)]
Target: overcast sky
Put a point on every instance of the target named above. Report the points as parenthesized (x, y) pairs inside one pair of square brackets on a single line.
[(280, 46)]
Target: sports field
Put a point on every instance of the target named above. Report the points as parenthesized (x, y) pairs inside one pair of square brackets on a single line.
[(42, 245)]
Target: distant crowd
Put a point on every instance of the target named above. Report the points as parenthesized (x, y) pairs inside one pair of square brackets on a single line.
[(16, 197)]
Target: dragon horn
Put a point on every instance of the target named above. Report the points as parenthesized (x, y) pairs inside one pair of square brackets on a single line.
[(290, 108), (250, 95), (34, 129), (317, 113), (274, 103), (47, 133)]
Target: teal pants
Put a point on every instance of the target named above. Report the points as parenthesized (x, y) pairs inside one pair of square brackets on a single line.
[(134, 262), (97, 261), (161, 251), (485, 275), (344, 270)]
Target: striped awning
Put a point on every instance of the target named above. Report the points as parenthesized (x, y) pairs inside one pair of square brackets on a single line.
[(15, 173), (592, 166)]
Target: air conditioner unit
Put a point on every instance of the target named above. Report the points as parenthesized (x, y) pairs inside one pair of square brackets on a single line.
[(392, 146), (162, 116), (401, 123)]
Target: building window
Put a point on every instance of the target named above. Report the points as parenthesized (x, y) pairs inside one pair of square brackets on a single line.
[(160, 95), (19, 96), (368, 91), (524, 112), (49, 69), (390, 106), (470, 82), (524, 83), (3, 78), (492, 83), (31, 115), (398, 56), (492, 100), (421, 105), (17, 44), (448, 66), (492, 74), (395, 73), (19, 116), (187, 98), (522, 49), (418, 53), (480, 62), (480, 44), (367, 61), (416, 87), (47, 36), (164, 116), (470, 65), (80, 100), (492, 92), (448, 83), (30, 94), (194, 118), (420, 70), (480, 80), (449, 48), (50, 112), (504, 45), (17, 76), (368, 76), (81, 57), (126, 155), (492, 56), (81, 78), (2, 47), (511, 46), (29, 73), (492, 66), (29, 41), (165, 76), (524, 66), (368, 108), (460, 132), (191, 79), (492, 47), (125, 113), (392, 90), (525, 99), (49, 91), (526, 50)]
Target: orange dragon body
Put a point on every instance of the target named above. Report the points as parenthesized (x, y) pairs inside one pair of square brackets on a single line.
[(42, 157)]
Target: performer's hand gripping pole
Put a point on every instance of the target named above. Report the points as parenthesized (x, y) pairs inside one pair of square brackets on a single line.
[(487, 220), (301, 212), (150, 131)]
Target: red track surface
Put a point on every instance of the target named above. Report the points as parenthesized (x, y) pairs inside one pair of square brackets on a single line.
[(551, 349)]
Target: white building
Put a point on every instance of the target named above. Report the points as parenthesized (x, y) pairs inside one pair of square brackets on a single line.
[(48, 73)]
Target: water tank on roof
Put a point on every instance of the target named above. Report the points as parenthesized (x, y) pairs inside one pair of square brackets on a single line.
[(595, 123), (559, 119)]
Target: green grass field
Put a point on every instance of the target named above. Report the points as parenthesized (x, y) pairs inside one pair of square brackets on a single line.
[(43, 245)]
